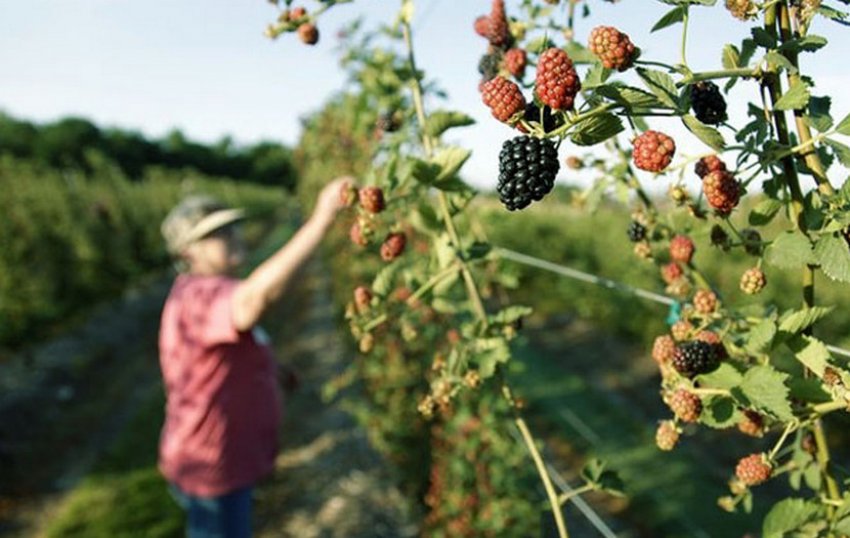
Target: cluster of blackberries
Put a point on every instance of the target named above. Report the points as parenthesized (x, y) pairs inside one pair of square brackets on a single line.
[(636, 231), (527, 170)]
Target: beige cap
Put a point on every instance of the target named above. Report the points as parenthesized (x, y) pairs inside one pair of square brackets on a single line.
[(195, 217)]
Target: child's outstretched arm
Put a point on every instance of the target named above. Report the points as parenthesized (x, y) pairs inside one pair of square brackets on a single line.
[(269, 280)]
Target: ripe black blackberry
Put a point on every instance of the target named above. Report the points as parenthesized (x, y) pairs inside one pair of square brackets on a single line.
[(694, 358), (708, 103), (637, 231), (527, 170)]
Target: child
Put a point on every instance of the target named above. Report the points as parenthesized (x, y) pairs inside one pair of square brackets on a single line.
[(222, 398)]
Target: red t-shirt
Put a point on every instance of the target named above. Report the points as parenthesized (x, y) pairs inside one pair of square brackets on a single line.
[(222, 399)]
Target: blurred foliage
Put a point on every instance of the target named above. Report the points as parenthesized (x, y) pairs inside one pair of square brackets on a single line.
[(69, 143), (68, 239)]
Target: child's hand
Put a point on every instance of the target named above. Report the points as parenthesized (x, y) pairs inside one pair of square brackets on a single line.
[(330, 199)]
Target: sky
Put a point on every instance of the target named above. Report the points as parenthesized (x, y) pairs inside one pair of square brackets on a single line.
[(206, 68)]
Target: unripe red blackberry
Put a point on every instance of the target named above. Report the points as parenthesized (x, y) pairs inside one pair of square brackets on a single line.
[(643, 250), (297, 13), (667, 435), (393, 246), (708, 103), (753, 281), (613, 48), (653, 151), (671, 272), (695, 357), (686, 406), (482, 26), (308, 33), (371, 199), (504, 99), (663, 349), (348, 194), (751, 423), (499, 33), (681, 330), (722, 191), (681, 287), (362, 297), (705, 301), (742, 9), (357, 236), (753, 469), (681, 249), (515, 62), (706, 165), (636, 231), (575, 163), (557, 81), (527, 170)]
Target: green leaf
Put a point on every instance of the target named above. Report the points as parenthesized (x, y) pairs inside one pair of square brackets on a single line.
[(810, 43), (790, 250), (764, 388), (731, 57), (628, 96), (764, 211), (450, 160), (724, 377), (489, 353), (596, 76), (841, 151), (788, 515), (794, 99), (670, 18), (382, 285), (596, 129), (843, 126), (808, 390), (776, 59), (719, 412), (801, 319), (763, 39), (811, 352), (818, 115), (424, 172), (760, 336), (833, 256), (440, 121), (510, 314), (709, 135), (444, 251), (662, 85), (596, 473)]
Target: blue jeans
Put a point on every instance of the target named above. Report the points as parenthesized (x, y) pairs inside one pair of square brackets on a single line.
[(225, 516)]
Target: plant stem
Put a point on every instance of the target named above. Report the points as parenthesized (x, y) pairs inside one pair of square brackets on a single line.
[(794, 80), (567, 495), (722, 73), (685, 19)]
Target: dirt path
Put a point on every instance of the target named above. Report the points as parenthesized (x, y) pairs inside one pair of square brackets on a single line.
[(329, 482)]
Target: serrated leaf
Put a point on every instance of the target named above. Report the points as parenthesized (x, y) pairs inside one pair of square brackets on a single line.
[(719, 412), (810, 43), (764, 211), (440, 121), (788, 515), (801, 319), (790, 250), (762, 38), (833, 256), (629, 97), (811, 352), (596, 76), (764, 388), (794, 99), (843, 126), (450, 159), (760, 336), (510, 314), (808, 390), (777, 60), (841, 151), (724, 377), (730, 57), (489, 353), (670, 18), (818, 114), (662, 85), (596, 129), (709, 135), (423, 172)]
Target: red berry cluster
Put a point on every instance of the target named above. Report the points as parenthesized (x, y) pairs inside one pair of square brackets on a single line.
[(751, 423), (362, 297), (685, 405), (705, 301), (706, 165), (753, 470), (663, 349), (612, 47), (653, 151), (504, 99), (681, 249), (515, 62), (671, 272), (667, 435), (722, 191), (557, 81), (371, 199), (393, 246), (753, 281)]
